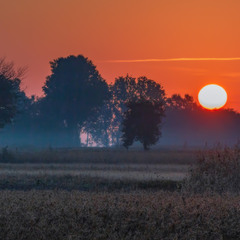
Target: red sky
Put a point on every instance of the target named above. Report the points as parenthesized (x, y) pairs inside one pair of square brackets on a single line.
[(33, 33)]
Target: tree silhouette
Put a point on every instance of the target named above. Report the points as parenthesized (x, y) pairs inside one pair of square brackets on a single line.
[(188, 122), (142, 122), (98, 126), (10, 93), (128, 89), (178, 102), (73, 92), (9, 71)]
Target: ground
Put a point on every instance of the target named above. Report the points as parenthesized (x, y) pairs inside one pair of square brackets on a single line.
[(108, 194)]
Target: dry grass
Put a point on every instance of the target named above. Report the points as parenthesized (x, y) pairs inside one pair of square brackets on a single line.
[(50, 215), (217, 170), (94, 169), (99, 156), (119, 195), (139, 172), (89, 178)]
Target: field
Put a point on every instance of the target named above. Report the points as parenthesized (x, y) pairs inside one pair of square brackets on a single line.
[(96, 169), (109, 194)]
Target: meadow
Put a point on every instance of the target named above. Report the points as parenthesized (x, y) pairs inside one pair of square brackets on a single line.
[(118, 194)]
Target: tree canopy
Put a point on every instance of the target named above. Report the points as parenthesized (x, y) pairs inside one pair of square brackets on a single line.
[(10, 93), (73, 91), (129, 89), (142, 122), (78, 101)]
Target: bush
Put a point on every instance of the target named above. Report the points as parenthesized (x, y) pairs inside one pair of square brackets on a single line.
[(6, 155), (217, 170)]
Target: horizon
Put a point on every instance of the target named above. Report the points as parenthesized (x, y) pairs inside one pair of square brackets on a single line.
[(119, 119), (183, 46)]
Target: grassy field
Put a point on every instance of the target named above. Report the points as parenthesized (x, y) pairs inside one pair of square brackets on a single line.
[(94, 169), (60, 215), (117, 194), (117, 156)]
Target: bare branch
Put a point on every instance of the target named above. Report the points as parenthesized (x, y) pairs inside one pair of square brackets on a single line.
[(9, 71)]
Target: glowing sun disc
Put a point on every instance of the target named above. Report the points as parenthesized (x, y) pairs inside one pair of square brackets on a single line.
[(212, 96)]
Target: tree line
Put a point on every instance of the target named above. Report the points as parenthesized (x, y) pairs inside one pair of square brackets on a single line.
[(77, 102)]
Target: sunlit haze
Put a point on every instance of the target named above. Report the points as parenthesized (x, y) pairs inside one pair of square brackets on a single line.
[(184, 45)]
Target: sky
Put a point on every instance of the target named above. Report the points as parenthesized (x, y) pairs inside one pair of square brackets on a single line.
[(183, 45)]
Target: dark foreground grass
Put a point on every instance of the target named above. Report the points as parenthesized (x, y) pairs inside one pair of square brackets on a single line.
[(58, 215), (49, 202)]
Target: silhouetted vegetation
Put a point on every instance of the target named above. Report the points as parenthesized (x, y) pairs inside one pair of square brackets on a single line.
[(142, 122), (10, 93), (188, 124), (105, 126), (73, 91), (217, 170), (79, 108)]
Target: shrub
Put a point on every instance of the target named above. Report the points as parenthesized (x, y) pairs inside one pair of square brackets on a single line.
[(217, 170), (6, 155)]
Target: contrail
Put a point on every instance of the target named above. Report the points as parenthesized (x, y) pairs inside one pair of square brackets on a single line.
[(174, 60)]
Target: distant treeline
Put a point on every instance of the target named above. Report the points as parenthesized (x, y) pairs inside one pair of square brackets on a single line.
[(77, 101)]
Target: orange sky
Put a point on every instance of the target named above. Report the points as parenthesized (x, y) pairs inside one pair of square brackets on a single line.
[(34, 32)]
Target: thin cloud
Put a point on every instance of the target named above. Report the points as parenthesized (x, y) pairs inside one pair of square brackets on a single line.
[(232, 74), (173, 60)]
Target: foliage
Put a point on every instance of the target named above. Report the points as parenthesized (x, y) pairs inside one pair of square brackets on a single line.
[(98, 126), (10, 93), (127, 89), (9, 90), (6, 155), (9, 71), (177, 102), (78, 101), (186, 122), (73, 91), (142, 123), (104, 126)]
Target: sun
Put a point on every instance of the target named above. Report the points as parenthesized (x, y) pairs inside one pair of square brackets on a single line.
[(212, 96)]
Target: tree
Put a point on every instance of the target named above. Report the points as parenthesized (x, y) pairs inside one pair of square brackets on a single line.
[(98, 126), (177, 102), (142, 122), (73, 92), (10, 93), (9, 71), (128, 89), (187, 123)]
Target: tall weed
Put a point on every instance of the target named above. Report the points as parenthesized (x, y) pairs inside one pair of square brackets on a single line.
[(217, 170)]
